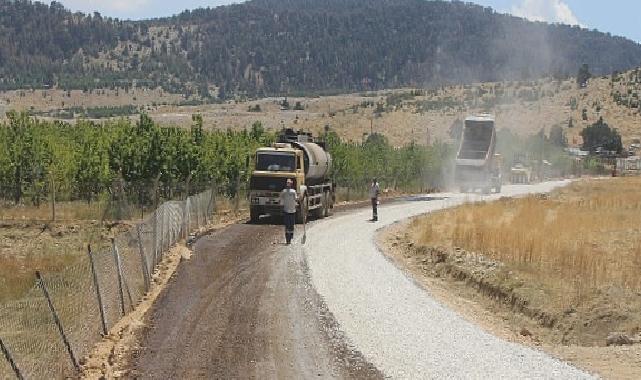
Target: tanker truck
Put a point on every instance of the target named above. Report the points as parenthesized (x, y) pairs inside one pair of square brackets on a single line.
[(477, 167), (298, 157)]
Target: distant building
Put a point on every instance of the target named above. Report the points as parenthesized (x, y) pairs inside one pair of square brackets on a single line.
[(577, 152), (630, 166)]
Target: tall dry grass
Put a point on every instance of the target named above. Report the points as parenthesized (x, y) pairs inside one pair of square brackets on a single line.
[(579, 239)]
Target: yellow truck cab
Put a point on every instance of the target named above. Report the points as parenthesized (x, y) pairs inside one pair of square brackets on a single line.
[(297, 157)]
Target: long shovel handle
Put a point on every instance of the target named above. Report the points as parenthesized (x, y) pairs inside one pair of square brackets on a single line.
[(304, 239)]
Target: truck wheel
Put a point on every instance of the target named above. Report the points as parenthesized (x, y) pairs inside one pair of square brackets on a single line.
[(328, 205), (301, 213), (321, 211), (318, 212), (254, 215)]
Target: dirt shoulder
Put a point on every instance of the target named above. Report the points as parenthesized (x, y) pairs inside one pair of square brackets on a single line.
[(110, 357), (453, 278)]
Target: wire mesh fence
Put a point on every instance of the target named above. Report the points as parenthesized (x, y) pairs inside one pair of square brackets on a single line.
[(48, 332)]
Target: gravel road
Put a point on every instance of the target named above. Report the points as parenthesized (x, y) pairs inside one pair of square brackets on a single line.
[(243, 308), (395, 324)]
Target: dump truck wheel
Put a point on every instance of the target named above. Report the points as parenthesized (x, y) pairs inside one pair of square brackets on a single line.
[(319, 213), (254, 215), (328, 204), (324, 207)]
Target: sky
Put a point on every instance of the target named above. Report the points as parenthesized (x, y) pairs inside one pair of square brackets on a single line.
[(619, 17)]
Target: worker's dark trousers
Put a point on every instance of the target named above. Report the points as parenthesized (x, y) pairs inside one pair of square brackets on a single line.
[(374, 209), (289, 220)]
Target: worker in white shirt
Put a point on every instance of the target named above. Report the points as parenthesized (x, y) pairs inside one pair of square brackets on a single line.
[(288, 200), (374, 192)]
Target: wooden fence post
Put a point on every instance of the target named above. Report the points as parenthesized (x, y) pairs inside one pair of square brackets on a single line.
[(98, 295), (61, 330), (114, 250), (143, 259), (7, 355)]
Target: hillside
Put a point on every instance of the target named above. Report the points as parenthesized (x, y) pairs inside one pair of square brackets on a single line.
[(402, 115), (276, 47)]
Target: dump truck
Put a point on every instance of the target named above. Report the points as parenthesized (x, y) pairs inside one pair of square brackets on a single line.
[(477, 166), (296, 156)]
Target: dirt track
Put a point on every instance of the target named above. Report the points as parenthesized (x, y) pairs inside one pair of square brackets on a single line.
[(243, 307)]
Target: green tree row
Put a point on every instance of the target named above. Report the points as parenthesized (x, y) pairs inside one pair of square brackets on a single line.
[(87, 159), (410, 168)]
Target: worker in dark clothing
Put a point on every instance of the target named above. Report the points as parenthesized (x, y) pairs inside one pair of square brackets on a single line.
[(374, 192), (288, 200)]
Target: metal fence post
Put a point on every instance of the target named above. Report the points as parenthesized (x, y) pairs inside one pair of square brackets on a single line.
[(143, 259), (160, 248), (42, 285), (123, 282), (154, 246), (7, 355), (189, 213), (98, 295), (210, 205), (185, 223), (114, 250), (197, 214)]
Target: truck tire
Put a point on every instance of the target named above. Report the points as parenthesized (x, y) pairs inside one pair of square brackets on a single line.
[(328, 204), (301, 213), (320, 213), (254, 215)]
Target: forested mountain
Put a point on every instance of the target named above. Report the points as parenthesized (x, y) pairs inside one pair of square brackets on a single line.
[(265, 47)]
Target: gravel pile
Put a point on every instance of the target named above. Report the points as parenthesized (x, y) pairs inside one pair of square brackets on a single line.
[(398, 326)]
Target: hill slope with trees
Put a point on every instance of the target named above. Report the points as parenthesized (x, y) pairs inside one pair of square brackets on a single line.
[(266, 47)]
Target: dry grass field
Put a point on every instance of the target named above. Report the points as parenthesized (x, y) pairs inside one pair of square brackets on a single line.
[(570, 260), (27, 246), (584, 237)]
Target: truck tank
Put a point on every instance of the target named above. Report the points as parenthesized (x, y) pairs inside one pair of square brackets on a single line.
[(318, 162)]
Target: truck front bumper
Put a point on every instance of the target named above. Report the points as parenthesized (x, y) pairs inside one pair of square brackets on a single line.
[(266, 204)]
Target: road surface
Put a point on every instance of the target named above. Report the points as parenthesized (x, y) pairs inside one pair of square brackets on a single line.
[(246, 306), (242, 307)]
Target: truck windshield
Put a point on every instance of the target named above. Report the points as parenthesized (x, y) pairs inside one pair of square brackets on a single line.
[(276, 161)]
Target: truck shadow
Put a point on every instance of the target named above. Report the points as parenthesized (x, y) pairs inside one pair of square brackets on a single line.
[(423, 198), (276, 220)]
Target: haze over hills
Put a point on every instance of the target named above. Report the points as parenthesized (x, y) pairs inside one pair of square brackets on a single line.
[(276, 47)]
